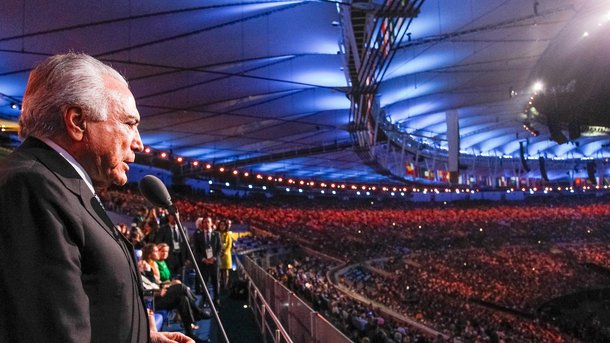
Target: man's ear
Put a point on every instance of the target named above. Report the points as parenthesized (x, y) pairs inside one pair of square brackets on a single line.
[(75, 123)]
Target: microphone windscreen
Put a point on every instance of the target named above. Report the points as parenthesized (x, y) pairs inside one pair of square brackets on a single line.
[(155, 191)]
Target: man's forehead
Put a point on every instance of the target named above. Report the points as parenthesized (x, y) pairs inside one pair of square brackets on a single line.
[(123, 98), (127, 107)]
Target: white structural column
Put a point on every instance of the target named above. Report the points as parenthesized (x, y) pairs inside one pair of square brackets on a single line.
[(453, 144)]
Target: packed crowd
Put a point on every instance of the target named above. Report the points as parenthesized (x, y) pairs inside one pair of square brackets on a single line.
[(307, 277), (473, 271), (498, 290), (344, 231), (500, 276)]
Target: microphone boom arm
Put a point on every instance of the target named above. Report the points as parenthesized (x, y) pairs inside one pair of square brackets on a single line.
[(173, 210)]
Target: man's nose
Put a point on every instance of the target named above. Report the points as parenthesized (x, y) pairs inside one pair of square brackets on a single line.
[(137, 144)]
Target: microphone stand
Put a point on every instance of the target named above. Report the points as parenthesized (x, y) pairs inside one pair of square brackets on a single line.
[(173, 210)]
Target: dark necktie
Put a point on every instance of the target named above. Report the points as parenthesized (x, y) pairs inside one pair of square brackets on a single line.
[(99, 202), (101, 212), (175, 235)]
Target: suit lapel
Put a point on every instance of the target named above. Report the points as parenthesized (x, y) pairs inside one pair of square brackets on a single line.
[(68, 176)]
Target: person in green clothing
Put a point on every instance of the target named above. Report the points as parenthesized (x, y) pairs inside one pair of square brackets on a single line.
[(164, 273)]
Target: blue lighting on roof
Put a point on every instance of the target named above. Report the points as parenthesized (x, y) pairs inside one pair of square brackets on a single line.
[(196, 152), (421, 122), (322, 78), (260, 6), (418, 65), (494, 143), (391, 94)]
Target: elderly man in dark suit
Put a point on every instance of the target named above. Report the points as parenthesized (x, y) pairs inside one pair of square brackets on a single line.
[(67, 275)]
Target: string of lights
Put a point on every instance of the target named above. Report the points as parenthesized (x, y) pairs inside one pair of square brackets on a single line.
[(240, 178)]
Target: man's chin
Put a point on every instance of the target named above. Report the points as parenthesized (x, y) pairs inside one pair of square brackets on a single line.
[(119, 180)]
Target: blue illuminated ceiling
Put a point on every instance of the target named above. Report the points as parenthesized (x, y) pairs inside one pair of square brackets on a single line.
[(226, 81)]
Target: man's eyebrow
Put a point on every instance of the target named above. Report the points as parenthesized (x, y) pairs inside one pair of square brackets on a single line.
[(130, 117)]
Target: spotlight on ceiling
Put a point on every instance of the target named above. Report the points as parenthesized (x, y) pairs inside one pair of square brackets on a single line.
[(537, 87)]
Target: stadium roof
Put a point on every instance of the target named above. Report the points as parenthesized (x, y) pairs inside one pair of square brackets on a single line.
[(269, 86)]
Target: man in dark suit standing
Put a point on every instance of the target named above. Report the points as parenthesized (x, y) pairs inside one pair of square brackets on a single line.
[(206, 246), (169, 234), (67, 274)]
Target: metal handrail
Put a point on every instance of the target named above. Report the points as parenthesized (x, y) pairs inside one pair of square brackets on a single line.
[(315, 317), (278, 333)]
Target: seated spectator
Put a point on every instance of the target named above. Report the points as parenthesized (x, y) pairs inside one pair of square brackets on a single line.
[(170, 295), (164, 274)]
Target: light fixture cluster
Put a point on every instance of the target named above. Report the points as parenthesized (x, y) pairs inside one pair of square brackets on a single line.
[(529, 128), (530, 110), (265, 182)]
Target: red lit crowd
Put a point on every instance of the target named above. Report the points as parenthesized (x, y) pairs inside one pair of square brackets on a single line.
[(475, 272)]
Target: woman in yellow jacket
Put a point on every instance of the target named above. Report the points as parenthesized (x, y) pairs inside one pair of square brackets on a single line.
[(226, 246)]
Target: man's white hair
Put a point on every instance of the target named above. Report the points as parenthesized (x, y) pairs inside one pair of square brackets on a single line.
[(61, 82)]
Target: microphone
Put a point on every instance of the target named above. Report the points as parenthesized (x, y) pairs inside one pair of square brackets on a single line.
[(153, 189)]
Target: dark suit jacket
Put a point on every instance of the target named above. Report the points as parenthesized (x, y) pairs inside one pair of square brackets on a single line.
[(200, 243), (66, 275)]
